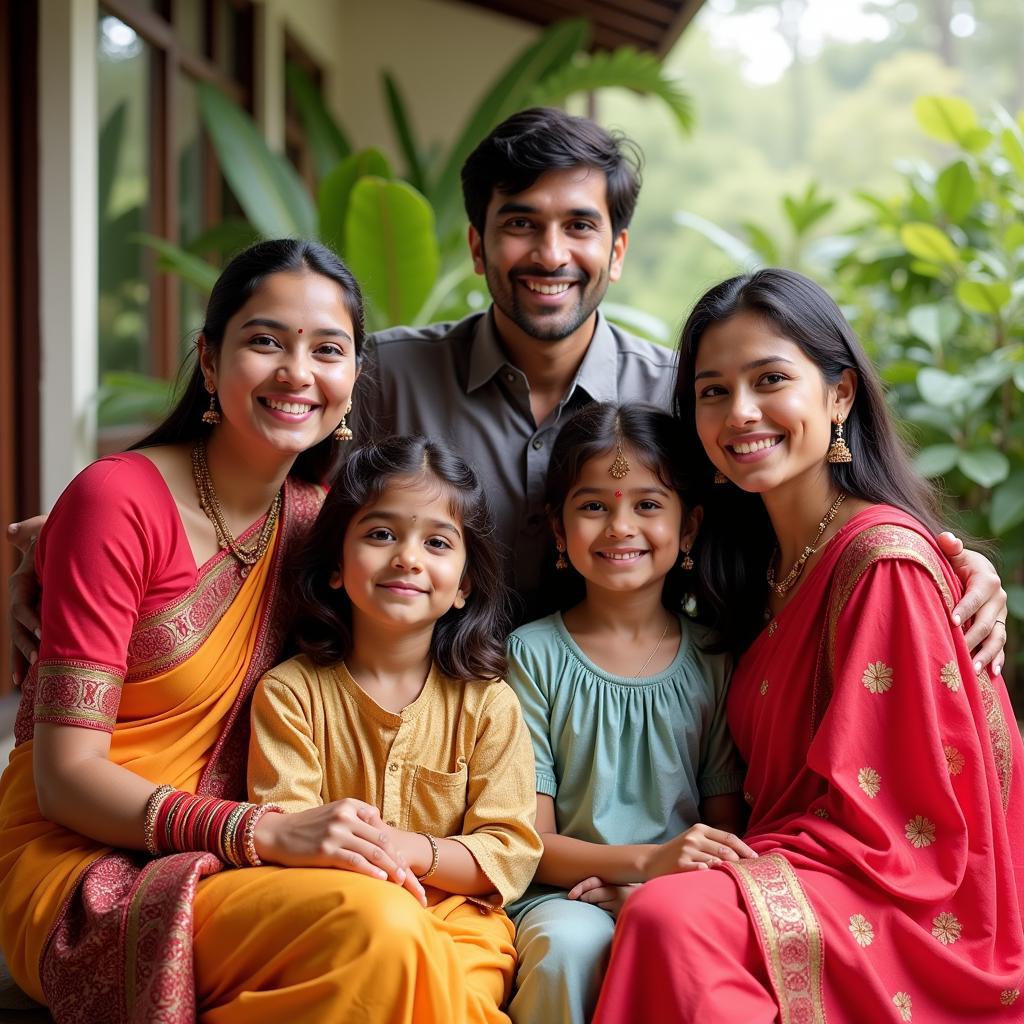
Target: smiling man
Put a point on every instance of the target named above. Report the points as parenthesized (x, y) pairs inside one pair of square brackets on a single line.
[(549, 198)]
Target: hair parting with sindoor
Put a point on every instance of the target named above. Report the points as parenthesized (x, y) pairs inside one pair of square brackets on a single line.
[(650, 435), (468, 642), (237, 283), (881, 472)]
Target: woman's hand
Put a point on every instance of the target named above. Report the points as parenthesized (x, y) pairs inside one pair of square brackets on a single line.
[(23, 590), (983, 604), (608, 897), (697, 849), (347, 834)]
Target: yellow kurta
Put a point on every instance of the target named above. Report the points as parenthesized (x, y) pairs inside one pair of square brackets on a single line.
[(457, 762)]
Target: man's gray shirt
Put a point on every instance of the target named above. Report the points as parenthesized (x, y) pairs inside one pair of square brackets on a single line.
[(453, 381)]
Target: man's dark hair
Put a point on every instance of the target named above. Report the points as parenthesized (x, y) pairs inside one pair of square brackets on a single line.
[(541, 139)]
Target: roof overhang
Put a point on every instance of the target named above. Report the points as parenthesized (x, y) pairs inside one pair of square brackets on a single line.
[(652, 25)]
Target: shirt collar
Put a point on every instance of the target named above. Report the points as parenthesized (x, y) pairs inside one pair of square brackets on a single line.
[(597, 375)]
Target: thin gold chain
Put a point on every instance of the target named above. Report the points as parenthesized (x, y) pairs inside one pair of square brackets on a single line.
[(248, 554), (655, 651), (793, 575)]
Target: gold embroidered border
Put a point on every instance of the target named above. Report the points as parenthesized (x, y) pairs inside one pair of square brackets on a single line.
[(77, 693), (790, 935), (999, 735), (170, 636)]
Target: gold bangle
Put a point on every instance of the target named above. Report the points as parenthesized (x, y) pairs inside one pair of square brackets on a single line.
[(435, 857), (153, 804), (251, 856)]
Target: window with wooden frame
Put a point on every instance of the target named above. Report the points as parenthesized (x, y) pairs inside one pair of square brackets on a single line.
[(158, 174), (296, 139)]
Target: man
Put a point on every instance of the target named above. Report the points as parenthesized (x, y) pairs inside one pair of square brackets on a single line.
[(549, 198)]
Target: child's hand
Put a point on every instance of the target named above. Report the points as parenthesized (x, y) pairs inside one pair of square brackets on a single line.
[(347, 834), (697, 849), (608, 897)]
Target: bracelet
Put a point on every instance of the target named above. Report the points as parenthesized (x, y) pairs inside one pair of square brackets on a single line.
[(249, 838), (153, 804), (436, 856)]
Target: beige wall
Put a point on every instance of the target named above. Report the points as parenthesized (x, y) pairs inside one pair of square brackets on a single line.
[(442, 53)]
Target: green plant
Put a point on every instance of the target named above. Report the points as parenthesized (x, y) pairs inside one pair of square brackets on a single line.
[(403, 235)]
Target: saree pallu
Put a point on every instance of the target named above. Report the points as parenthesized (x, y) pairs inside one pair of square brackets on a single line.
[(887, 809), (103, 935)]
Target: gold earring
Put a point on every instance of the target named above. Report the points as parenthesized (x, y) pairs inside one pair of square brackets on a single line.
[(212, 415), (561, 562), (720, 477), (839, 450), (344, 431), (686, 563)]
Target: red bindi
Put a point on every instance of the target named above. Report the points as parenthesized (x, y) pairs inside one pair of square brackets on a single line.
[(300, 330), (618, 494)]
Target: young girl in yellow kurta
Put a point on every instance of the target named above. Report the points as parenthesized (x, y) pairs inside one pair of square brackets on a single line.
[(396, 722)]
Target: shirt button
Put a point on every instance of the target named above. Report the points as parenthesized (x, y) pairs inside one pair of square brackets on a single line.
[(393, 767), (537, 444), (510, 377)]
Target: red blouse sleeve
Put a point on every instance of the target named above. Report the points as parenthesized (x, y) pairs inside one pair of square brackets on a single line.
[(110, 535)]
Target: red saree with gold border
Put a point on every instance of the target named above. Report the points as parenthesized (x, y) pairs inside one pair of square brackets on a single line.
[(887, 807), (140, 643)]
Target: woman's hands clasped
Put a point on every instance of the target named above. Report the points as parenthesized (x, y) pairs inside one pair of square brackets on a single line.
[(347, 834)]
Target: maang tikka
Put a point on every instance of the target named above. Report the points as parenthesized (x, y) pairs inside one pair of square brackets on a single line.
[(620, 465)]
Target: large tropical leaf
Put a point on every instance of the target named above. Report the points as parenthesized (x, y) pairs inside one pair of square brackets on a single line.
[(224, 239), (623, 68), (336, 189), (130, 398), (402, 127), (327, 140), (743, 255), (555, 47), (391, 247), (267, 187), (180, 261)]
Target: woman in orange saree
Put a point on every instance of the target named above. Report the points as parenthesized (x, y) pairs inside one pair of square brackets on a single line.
[(884, 772), (165, 599)]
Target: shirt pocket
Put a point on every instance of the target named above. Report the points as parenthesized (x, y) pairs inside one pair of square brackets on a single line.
[(439, 800)]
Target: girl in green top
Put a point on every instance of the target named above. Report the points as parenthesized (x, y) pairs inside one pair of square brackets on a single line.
[(637, 775)]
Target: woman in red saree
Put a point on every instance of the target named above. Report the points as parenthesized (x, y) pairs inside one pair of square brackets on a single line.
[(884, 773), (164, 576)]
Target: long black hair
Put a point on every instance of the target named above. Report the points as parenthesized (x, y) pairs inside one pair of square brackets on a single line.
[(236, 285), (880, 473), (651, 435), (468, 642)]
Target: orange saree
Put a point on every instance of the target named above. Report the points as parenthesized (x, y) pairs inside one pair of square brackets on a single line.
[(887, 809), (139, 642)]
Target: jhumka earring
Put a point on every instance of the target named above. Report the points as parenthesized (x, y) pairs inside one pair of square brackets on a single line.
[(839, 450), (344, 431), (560, 562), (212, 415), (686, 563), (720, 477)]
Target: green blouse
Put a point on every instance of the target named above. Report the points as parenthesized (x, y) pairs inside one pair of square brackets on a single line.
[(626, 760)]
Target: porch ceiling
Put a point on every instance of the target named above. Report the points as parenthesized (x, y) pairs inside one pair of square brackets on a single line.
[(652, 25)]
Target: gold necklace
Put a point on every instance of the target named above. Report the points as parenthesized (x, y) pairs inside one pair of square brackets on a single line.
[(793, 575), (655, 651), (248, 554)]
